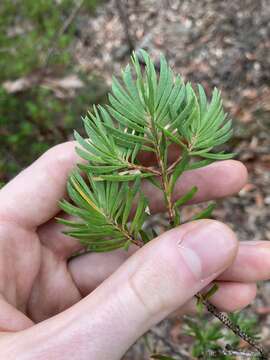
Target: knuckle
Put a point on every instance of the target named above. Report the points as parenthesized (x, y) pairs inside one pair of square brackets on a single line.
[(155, 284)]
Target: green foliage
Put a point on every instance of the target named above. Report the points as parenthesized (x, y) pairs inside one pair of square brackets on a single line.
[(28, 30), (205, 297), (206, 336), (108, 206), (248, 324), (147, 112), (40, 121), (211, 335)]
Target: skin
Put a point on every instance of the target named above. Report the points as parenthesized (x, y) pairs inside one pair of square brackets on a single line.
[(96, 305)]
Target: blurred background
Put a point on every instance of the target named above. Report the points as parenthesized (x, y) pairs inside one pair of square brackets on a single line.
[(57, 58)]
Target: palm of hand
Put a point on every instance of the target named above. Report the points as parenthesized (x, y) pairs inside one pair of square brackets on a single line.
[(35, 281), (34, 278)]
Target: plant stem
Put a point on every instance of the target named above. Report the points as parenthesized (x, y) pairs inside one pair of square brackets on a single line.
[(231, 352), (173, 165), (231, 325), (163, 173), (128, 236), (144, 168), (167, 195)]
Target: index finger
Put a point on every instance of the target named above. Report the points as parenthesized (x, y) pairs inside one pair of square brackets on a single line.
[(31, 198)]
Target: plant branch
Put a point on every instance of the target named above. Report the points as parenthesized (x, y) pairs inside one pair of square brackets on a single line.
[(231, 352), (165, 185), (174, 164), (144, 168), (232, 326), (163, 172), (127, 235)]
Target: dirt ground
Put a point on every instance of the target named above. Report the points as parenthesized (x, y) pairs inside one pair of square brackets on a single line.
[(218, 43)]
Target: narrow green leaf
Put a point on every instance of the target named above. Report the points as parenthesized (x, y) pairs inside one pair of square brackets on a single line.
[(86, 155), (206, 213), (199, 164), (123, 177), (165, 94), (200, 152), (177, 217), (124, 99), (164, 78), (145, 237), (173, 101), (101, 169), (178, 171), (118, 199), (155, 182), (105, 248), (124, 120), (180, 122), (200, 308), (194, 118), (87, 146), (187, 197), (178, 104), (127, 245), (135, 152), (131, 112), (174, 138), (218, 156), (210, 292), (139, 82), (128, 136), (140, 215), (70, 223), (130, 85), (129, 200), (151, 81), (203, 100)]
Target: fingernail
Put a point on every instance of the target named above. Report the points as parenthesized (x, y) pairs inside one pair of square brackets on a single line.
[(208, 248)]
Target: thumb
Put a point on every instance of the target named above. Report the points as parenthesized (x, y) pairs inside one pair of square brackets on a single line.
[(154, 282)]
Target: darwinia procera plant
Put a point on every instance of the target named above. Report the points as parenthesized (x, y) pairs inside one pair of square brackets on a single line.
[(148, 111)]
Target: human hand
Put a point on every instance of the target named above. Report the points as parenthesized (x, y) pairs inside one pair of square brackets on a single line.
[(54, 307)]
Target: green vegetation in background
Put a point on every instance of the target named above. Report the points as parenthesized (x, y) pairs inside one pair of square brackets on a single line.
[(212, 335), (27, 30), (35, 119)]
